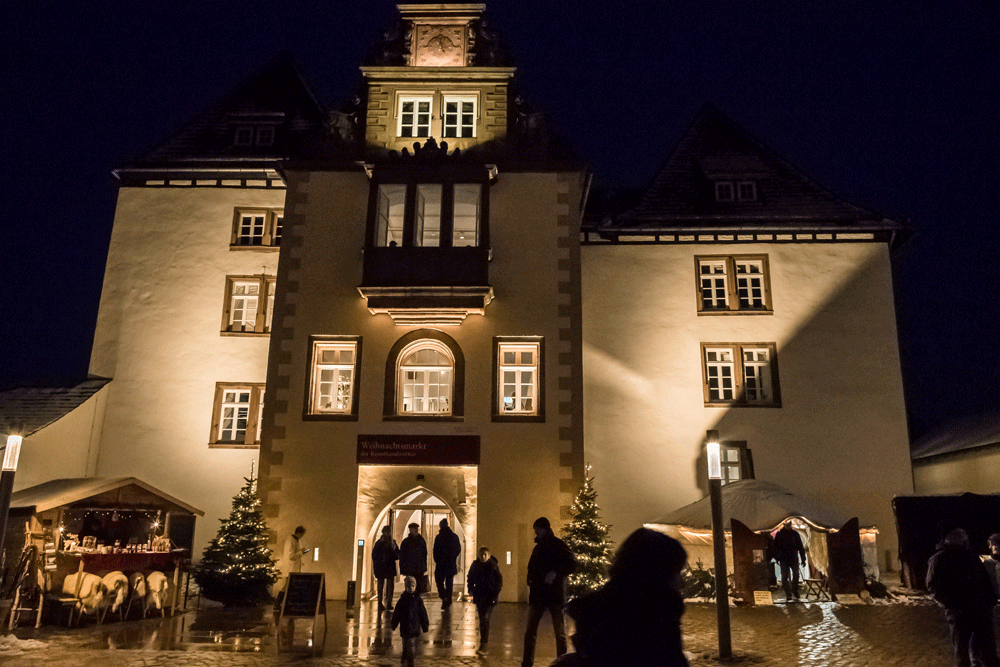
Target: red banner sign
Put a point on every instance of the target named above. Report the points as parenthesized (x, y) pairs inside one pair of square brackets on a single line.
[(405, 450)]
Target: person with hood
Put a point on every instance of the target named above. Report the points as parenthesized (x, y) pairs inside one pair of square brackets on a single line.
[(385, 553), (959, 582), (413, 556), (635, 619), (550, 563), (446, 550), (410, 617), (484, 584)]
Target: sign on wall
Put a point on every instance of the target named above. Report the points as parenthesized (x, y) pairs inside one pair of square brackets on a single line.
[(401, 450)]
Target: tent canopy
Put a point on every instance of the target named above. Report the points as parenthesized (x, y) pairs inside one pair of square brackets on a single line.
[(119, 491), (759, 505)]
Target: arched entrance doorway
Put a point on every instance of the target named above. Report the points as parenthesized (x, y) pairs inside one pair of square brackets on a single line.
[(426, 509)]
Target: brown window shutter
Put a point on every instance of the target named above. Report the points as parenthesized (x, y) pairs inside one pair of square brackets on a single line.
[(227, 304)]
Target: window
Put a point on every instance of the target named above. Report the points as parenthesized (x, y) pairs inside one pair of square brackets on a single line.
[(248, 135), (237, 415), (425, 378), (733, 285), (459, 116), (257, 227), (415, 116), (427, 215), (265, 135), (333, 378), (724, 191), (740, 374), (735, 191), (244, 136), (737, 462), (746, 191), (249, 304), (518, 379)]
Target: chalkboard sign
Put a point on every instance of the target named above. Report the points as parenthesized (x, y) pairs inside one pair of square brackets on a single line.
[(305, 595)]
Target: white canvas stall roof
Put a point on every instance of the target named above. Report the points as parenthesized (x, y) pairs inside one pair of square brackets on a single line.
[(757, 504), (60, 492)]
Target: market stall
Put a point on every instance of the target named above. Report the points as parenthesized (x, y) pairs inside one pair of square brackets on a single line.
[(100, 527), (763, 507)]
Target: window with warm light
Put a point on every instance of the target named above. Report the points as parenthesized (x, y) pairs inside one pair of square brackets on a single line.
[(237, 415), (424, 381), (333, 376), (257, 228), (518, 378), (249, 304), (424, 378), (428, 214), (740, 374), (737, 284), (518, 367)]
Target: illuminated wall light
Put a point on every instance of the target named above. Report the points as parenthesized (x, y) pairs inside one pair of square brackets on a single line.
[(12, 452), (315, 554)]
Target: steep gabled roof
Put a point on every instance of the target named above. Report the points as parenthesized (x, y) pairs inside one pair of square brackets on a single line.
[(275, 95), (715, 148), (28, 410)]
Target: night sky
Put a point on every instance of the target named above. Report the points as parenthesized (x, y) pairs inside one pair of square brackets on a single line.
[(891, 105)]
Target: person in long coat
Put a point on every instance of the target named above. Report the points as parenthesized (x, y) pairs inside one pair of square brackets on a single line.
[(447, 548), (635, 619), (484, 584), (413, 555), (385, 553), (550, 563)]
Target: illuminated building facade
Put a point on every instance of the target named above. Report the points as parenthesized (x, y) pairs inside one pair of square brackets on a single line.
[(400, 310)]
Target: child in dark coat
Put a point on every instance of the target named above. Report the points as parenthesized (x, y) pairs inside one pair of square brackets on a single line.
[(410, 616)]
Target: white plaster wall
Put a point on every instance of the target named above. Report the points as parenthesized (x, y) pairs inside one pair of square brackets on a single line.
[(158, 336), (65, 448), (518, 476), (840, 434), (976, 471)]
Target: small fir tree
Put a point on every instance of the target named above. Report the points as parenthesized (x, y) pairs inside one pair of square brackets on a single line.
[(237, 567), (588, 538)]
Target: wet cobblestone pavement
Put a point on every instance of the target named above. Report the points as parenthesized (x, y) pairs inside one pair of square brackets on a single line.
[(811, 634)]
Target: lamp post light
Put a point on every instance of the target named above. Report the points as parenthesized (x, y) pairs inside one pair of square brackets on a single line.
[(714, 452), (10, 455)]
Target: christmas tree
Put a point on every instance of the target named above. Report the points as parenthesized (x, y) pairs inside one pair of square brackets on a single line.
[(588, 539), (237, 567)]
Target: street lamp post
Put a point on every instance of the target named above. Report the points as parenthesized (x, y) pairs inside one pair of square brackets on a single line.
[(714, 452), (10, 455)]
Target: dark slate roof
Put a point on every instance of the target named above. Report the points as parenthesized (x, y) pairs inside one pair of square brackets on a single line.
[(25, 411), (981, 430), (716, 148), (275, 95)]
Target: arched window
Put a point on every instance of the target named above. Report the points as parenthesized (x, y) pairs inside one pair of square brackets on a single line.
[(424, 379)]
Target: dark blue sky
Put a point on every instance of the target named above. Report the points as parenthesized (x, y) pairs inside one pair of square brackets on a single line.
[(892, 105)]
